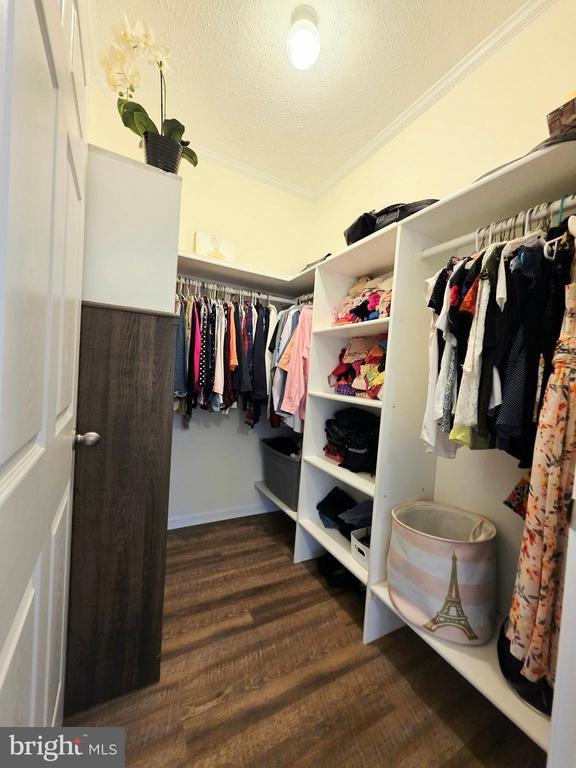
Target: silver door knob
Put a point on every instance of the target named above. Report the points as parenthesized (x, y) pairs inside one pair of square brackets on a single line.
[(87, 440)]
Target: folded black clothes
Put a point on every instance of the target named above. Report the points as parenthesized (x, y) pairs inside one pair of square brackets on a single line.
[(335, 502), (339, 510), (359, 516), (352, 437), (357, 419), (327, 522)]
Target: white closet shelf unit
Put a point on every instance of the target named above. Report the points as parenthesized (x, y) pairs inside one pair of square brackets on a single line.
[(280, 289), (233, 274), (348, 330), (363, 402), (479, 665), (261, 486), (414, 250)]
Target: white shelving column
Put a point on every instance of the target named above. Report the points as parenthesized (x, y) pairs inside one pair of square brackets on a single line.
[(474, 480), (318, 474), (404, 471)]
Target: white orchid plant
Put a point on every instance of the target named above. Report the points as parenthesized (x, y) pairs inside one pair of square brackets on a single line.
[(131, 46)]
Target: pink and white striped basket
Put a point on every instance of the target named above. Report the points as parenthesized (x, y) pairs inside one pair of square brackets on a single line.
[(442, 571)]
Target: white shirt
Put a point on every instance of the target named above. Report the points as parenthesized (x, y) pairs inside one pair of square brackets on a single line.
[(272, 319), (466, 413), (435, 440)]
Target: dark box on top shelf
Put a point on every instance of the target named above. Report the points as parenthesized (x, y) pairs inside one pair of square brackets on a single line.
[(562, 119)]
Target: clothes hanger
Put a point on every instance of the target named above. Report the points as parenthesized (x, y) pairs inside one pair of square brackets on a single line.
[(551, 246), (528, 238)]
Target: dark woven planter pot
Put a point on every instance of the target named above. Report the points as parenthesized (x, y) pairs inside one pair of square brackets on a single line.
[(162, 152)]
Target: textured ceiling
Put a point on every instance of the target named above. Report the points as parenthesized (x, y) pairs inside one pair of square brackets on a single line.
[(234, 88)]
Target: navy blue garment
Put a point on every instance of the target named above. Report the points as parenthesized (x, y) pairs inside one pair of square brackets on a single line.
[(180, 373)]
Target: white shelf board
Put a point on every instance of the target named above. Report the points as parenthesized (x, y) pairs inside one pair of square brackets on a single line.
[(338, 546), (237, 275), (302, 282), (479, 665), (536, 178), (366, 402), (263, 488), (367, 328), (373, 255), (359, 480), (540, 177)]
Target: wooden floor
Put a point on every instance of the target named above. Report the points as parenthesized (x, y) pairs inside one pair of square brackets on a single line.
[(264, 667)]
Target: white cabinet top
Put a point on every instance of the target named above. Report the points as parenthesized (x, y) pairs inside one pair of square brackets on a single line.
[(131, 235)]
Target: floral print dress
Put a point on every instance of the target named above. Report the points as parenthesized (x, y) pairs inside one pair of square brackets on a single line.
[(536, 608)]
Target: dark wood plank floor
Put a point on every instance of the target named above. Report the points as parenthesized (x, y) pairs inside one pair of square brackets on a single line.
[(264, 667)]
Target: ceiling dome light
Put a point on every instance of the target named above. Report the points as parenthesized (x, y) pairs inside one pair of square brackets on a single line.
[(303, 38)]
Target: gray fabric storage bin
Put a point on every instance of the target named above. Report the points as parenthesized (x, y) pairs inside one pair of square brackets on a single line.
[(281, 471)]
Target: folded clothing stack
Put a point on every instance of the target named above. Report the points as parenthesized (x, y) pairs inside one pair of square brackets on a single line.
[(360, 370), (341, 511), (368, 299), (352, 440)]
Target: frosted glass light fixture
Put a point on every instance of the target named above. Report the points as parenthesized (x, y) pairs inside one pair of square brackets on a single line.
[(303, 38)]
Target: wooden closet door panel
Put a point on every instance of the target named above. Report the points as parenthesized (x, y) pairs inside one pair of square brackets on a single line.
[(120, 504)]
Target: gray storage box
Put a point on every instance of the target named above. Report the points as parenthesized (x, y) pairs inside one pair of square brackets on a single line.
[(281, 471)]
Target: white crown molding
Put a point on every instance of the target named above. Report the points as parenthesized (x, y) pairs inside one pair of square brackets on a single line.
[(495, 40), (255, 173)]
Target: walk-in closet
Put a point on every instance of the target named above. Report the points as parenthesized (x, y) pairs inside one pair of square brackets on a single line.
[(288, 383)]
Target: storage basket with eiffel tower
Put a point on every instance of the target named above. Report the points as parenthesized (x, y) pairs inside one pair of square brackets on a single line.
[(442, 571)]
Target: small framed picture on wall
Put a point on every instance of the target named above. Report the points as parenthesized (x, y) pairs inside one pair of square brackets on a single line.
[(214, 247)]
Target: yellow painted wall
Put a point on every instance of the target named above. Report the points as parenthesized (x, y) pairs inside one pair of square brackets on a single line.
[(494, 115), (269, 226)]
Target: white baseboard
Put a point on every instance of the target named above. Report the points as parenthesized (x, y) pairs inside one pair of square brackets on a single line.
[(217, 515)]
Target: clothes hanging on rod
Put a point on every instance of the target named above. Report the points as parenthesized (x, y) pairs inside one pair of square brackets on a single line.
[(502, 374), (223, 353), (289, 348), (496, 317), (535, 614)]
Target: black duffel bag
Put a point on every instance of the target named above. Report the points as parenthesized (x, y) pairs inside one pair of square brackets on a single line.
[(362, 227), (400, 211), (373, 221)]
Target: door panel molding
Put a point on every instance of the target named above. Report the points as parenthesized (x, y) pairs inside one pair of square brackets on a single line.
[(57, 606), (41, 258), (16, 664)]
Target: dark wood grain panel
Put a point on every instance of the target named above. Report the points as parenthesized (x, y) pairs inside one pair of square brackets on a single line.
[(264, 667), (120, 504)]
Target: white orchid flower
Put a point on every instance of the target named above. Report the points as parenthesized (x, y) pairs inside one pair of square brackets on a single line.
[(119, 54), (131, 78), (148, 36), (158, 55), (123, 32)]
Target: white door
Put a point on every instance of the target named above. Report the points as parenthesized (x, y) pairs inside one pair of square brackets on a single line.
[(42, 169)]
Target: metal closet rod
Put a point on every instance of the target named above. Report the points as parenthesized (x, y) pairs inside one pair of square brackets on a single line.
[(233, 289), (537, 212), (304, 298)]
